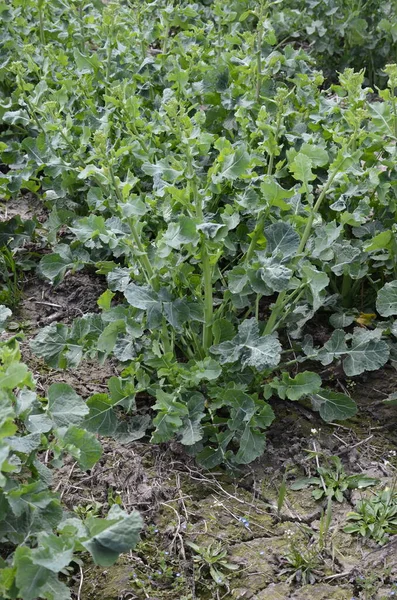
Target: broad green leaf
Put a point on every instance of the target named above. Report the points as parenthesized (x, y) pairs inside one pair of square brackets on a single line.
[(333, 406), (274, 194), (109, 537), (380, 241), (386, 303), (65, 407), (16, 117), (182, 232), (54, 552), (276, 276), (301, 169), (233, 165), (248, 347), (223, 331), (102, 417), (86, 449), (176, 312), (168, 420), (366, 352), (30, 578), (50, 343), (24, 443), (281, 239), (191, 430), (54, 266), (15, 374), (252, 445), (317, 282), (105, 300), (295, 388), (318, 156), (141, 296)]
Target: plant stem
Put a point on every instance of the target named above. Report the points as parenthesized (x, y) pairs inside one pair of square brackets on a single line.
[(346, 290), (257, 300), (205, 265), (259, 37), (280, 302), (41, 21), (265, 213), (81, 18)]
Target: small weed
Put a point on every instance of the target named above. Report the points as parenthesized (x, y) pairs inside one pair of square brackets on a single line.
[(333, 481), (375, 517), (303, 563), (214, 559), (89, 510)]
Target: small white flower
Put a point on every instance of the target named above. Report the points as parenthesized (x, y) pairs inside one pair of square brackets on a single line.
[(289, 533), (392, 453), (314, 431)]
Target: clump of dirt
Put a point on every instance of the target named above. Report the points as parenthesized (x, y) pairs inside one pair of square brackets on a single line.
[(135, 476), (27, 206), (43, 303)]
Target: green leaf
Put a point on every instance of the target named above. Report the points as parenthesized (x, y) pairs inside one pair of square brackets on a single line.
[(109, 537), (177, 313), (295, 388), (366, 353), (281, 240), (54, 266), (223, 331), (30, 578), (5, 313), (317, 154), (86, 448), (251, 349), (15, 374), (101, 418), (191, 430), (301, 169), (274, 194), (232, 165), (277, 277), (50, 343), (379, 242), (180, 233), (65, 407), (333, 406), (252, 445), (141, 297), (386, 303), (358, 482), (54, 552), (168, 420), (105, 300)]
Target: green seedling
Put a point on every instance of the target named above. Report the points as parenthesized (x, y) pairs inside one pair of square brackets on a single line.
[(333, 481)]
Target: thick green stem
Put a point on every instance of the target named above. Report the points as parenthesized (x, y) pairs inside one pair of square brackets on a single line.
[(281, 299), (206, 268), (265, 213), (346, 291), (208, 301), (41, 22), (81, 19), (259, 37)]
